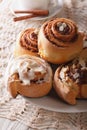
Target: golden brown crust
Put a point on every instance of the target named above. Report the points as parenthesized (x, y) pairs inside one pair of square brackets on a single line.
[(33, 90), (67, 93), (83, 54), (70, 80), (27, 42), (58, 46), (29, 76)]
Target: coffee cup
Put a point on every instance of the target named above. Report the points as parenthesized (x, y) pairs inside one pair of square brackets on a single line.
[(33, 4)]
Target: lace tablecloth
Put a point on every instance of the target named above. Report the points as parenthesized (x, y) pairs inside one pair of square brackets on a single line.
[(20, 109)]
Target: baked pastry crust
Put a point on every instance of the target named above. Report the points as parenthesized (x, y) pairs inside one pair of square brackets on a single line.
[(59, 40), (27, 42), (70, 80), (29, 76)]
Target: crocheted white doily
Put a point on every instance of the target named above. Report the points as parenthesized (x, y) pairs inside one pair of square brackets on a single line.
[(19, 108)]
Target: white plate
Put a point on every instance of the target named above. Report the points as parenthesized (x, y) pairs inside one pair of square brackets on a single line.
[(54, 8), (53, 103)]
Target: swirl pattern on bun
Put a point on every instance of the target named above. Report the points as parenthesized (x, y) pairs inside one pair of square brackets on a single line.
[(27, 42), (59, 40)]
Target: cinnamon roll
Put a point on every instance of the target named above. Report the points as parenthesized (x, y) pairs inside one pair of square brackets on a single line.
[(59, 40), (70, 80), (27, 42), (29, 76)]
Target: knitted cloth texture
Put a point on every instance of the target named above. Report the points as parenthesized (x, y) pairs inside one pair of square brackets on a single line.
[(21, 109)]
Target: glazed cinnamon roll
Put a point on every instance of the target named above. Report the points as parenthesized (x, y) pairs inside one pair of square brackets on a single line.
[(27, 42), (59, 40), (29, 76), (70, 80)]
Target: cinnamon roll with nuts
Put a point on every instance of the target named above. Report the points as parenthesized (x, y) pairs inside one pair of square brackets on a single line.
[(27, 42), (59, 40), (29, 76), (70, 80)]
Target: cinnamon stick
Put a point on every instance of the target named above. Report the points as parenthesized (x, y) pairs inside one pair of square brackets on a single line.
[(24, 17), (36, 12)]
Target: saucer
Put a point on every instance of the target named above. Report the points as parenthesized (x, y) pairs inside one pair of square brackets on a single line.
[(54, 8)]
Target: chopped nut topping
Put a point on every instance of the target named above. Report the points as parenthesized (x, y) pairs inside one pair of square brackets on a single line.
[(76, 75), (63, 27), (77, 72), (62, 75), (67, 78), (82, 63), (73, 66), (65, 69)]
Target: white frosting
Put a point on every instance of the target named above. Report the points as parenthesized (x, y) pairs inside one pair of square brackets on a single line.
[(26, 68)]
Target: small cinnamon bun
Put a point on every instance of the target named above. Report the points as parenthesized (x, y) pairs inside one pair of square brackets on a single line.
[(27, 42), (29, 76), (59, 40), (70, 80)]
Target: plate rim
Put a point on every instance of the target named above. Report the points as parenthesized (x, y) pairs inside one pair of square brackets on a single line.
[(32, 100)]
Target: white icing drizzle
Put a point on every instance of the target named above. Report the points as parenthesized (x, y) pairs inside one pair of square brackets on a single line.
[(26, 68)]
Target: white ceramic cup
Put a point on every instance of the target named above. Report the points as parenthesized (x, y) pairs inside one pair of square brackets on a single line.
[(33, 4)]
